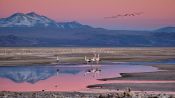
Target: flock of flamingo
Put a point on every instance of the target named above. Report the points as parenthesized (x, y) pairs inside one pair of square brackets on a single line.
[(94, 69), (96, 59)]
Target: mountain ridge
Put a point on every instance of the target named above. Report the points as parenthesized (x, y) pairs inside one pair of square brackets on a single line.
[(35, 30), (166, 29)]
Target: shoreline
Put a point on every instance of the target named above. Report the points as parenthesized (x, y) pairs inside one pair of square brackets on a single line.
[(166, 74)]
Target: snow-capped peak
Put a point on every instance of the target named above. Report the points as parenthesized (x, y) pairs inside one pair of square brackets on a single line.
[(26, 20), (34, 20)]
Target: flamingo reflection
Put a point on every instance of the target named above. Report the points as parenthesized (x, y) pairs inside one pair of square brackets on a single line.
[(94, 71)]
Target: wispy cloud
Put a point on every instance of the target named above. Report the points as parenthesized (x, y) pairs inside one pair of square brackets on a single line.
[(125, 15)]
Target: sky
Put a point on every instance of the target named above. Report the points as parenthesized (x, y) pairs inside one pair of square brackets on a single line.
[(155, 13)]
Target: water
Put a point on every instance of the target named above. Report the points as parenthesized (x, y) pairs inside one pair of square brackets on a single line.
[(62, 77), (166, 61)]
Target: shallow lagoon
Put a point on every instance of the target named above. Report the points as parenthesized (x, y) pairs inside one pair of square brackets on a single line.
[(62, 77)]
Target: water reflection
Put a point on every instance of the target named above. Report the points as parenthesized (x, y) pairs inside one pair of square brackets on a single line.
[(32, 74), (61, 78), (94, 70)]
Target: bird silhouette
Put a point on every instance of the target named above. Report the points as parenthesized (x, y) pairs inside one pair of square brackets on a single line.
[(125, 15)]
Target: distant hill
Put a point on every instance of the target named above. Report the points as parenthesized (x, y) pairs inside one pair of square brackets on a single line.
[(32, 29), (166, 29)]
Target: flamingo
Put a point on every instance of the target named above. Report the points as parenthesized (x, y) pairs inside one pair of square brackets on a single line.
[(87, 60), (97, 59), (94, 58), (57, 59)]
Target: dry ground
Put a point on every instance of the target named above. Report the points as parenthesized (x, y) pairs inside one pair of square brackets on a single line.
[(23, 56)]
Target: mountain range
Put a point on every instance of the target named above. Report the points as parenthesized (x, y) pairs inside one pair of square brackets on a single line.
[(31, 29)]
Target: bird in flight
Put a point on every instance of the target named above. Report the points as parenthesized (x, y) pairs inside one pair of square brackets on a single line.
[(125, 15)]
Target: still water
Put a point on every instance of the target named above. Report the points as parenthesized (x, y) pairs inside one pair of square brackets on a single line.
[(62, 77)]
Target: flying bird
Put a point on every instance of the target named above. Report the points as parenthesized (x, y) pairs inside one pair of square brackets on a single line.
[(125, 15)]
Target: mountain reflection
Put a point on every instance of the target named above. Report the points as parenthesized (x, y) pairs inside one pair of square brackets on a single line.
[(32, 74)]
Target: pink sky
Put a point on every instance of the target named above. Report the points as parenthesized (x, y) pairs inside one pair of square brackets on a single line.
[(157, 13)]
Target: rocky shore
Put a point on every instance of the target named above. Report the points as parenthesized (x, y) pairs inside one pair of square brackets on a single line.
[(124, 94)]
